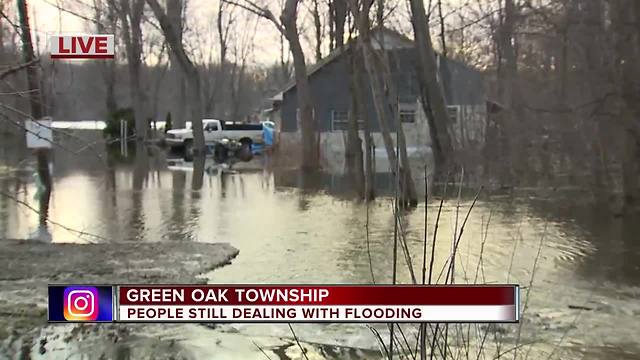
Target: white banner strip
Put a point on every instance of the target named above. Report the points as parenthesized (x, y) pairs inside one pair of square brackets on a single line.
[(342, 313), (82, 46)]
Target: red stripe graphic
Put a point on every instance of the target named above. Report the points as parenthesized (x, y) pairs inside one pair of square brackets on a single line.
[(317, 295), (83, 56)]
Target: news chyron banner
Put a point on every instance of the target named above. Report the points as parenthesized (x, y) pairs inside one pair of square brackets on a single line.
[(284, 303)]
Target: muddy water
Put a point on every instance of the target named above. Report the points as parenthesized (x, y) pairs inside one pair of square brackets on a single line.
[(579, 265)]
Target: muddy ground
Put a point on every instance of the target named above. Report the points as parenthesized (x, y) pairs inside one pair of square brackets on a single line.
[(26, 267)]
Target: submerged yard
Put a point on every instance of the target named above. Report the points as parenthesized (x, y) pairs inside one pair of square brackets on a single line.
[(149, 220)]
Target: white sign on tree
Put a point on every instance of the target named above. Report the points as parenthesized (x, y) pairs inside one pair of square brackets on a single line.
[(39, 133)]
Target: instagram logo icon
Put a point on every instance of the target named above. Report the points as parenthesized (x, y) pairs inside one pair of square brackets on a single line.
[(81, 303)]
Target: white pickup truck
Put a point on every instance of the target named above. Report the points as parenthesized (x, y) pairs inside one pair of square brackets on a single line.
[(215, 131)]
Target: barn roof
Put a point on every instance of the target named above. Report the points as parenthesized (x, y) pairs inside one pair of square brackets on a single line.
[(386, 37)]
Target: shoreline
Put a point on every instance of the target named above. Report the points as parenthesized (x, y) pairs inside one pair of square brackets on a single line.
[(28, 266)]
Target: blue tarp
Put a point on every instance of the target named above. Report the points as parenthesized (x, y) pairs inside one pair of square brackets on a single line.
[(267, 135), (257, 149), (267, 138)]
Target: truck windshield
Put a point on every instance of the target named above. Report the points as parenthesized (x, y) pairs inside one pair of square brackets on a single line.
[(211, 127)]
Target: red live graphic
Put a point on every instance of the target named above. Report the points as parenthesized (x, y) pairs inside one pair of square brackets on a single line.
[(82, 46)]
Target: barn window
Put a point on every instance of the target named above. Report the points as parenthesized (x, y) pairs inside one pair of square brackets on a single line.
[(407, 113), (454, 113), (339, 120)]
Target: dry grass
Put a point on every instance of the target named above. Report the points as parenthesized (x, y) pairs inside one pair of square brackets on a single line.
[(448, 341)]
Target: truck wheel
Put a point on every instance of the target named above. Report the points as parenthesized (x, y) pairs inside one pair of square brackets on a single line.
[(188, 150), (245, 154), (220, 153), (246, 143)]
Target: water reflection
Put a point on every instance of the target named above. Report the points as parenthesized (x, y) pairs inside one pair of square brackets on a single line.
[(612, 238), (198, 173), (296, 227)]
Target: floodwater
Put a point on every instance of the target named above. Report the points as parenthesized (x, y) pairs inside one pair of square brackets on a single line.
[(577, 263)]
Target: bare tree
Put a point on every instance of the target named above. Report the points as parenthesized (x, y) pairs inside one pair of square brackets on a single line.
[(224, 22), (353, 153), (189, 70), (130, 13), (361, 16), (626, 23), (174, 13), (37, 109), (160, 71), (241, 50), (337, 17), (317, 26), (310, 149), (385, 100), (107, 23), (287, 26), (432, 99), (358, 166)]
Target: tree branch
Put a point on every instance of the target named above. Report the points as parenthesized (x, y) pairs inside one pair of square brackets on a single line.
[(71, 12), (258, 10), (16, 68), (14, 25)]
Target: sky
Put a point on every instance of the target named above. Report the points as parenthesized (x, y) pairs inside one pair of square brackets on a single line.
[(259, 34), (47, 19)]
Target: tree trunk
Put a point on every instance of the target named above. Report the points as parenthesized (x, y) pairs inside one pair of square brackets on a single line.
[(236, 82), (108, 67), (332, 26), (110, 82), (378, 101), (284, 72), (362, 23), (340, 16), (353, 153), (174, 13), (377, 67), (369, 176), (626, 15), (131, 18), (310, 153), (189, 70), (432, 99), (407, 185), (220, 70), (507, 72), (37, 110), (2, 51), (317, 25), (407, 188)]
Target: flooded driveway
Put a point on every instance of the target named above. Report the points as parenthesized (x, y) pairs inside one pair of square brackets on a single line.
[(578, 264)]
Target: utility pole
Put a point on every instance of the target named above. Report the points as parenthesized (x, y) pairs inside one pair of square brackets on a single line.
[(37, 109)]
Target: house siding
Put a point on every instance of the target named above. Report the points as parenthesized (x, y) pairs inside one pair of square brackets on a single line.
[(330, 88), (463, 88)]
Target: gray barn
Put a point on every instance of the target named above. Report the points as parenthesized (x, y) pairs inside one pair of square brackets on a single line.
[(329, 80)]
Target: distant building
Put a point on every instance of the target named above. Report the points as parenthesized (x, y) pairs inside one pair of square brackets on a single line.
[(329, 80)]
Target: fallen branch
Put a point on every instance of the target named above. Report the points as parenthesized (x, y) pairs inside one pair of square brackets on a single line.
[(295, 337), (261, 350)]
